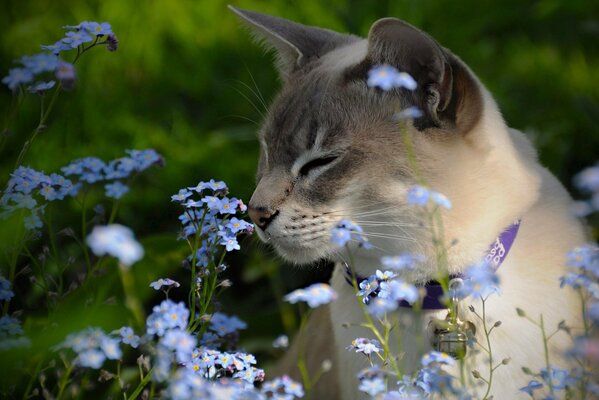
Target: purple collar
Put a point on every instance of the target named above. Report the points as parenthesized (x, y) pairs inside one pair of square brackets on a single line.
[(496, 255)]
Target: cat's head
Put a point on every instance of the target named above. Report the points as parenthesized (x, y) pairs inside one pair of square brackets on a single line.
[(331, 146)]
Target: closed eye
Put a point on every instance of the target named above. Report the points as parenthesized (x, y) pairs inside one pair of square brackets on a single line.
[(316, 163)]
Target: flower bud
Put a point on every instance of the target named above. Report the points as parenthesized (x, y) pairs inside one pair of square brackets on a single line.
[(520, 312), (112, 42), (476, 374)]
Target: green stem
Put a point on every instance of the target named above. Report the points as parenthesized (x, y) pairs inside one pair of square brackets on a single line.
[(84, 234), (40, 127), (141, 386), (131, 301), (490, 351), (64, 379), (34, 375), (546, 350)]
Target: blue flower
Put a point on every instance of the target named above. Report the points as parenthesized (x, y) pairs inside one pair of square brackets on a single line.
[(556, 376), (366, 346), (405, 261), (440, 200), (128, 336), (11, 334), (57, 47), (166, 282), (281, 342), (33, 221), (436, 357), (238, 225), (418, 195), (408, 113), (283, 388), (531, 387), (340, 236), (181, 342), (226, 206), (92, 358), (116, 190), (387, 77), (41, 87), (49, 193), (65, 73), (167, 315), (115, 240), (367, 287), (98, 29), (143, 159), (588, 179), (40, 62), (16, 77), (593, 312), (230, 243), (479, 280), (379, 306), (77, 38), (181, 196), (111, 348), (397, 290), (315, 295), (5, 291), (346, 231), (223, 324), (372, 386)]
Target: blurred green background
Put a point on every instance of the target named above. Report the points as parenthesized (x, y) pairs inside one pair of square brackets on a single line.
[(187, 80)]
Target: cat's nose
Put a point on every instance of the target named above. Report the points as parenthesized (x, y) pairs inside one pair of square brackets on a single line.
[(261, 216)]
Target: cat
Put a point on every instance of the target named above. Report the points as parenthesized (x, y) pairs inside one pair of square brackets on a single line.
[(331, 149)]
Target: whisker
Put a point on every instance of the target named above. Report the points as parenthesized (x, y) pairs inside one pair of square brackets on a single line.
[(242, 117), (259, 111), (260, 96)]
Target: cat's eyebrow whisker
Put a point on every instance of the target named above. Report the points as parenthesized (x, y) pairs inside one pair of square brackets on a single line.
[(258, 93), (258, 97), (242, 94), (242, 117)]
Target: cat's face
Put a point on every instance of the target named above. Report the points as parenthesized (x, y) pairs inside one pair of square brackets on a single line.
[(330, 145)]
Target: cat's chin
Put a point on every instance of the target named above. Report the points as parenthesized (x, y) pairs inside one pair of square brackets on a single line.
[(301, 256)]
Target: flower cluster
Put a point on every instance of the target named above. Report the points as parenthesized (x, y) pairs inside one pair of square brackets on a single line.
[(479, 280), (6, 292), (212, 216), (93, 347), (422, 196), (168, 315), (31, 190), (383, 291), (588, 181), (346, 231), (42, 65), (315, 295), (386, 77), (11, 333), (115, 240)]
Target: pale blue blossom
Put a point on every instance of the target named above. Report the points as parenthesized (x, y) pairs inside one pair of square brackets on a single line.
[(115, 240)]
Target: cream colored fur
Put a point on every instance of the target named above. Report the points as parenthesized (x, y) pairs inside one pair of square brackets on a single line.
[(489, 171), (505, 183)]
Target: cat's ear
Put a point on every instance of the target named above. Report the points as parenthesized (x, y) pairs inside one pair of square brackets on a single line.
[(447, 92), (295, 44)]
